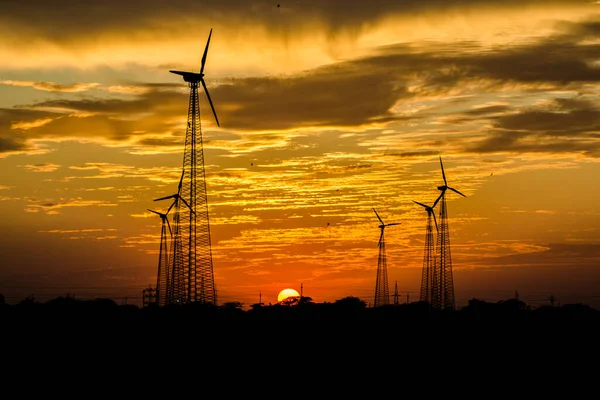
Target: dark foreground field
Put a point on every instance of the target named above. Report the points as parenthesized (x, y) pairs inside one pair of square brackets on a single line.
[(68, 311)]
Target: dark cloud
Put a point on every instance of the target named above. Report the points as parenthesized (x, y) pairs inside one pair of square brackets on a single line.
[(562, 116), (148, 102), (11, 137), (357, 93), (556, 253), (414, 154), (562, 125), (67, 20), (339, 96), (10, 145), (498, 109)]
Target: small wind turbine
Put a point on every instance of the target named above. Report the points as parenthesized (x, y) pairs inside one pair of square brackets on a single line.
[(428, 255), (382, 294), (382, 227), (442, 295), (177, 196), (163, 257), (445, 186), (172, 275), (430, 214), (165, 220)]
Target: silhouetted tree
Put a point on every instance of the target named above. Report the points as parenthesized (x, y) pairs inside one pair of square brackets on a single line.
[(351, 302), (305, 300), (29, 300), (232, 305), (290, 301)]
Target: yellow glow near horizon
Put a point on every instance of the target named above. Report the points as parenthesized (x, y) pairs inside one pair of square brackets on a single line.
[(285, 293)]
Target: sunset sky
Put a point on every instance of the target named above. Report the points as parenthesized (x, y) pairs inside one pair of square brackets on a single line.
[(327, 109)]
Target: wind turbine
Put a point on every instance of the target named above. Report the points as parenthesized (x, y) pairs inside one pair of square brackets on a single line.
[(162, 276), (429, 254), (195, 252), (175, 290), (382, 294), (442, 295), (194, 78)]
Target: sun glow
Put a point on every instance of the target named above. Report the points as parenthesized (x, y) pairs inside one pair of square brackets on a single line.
[(285, 293)]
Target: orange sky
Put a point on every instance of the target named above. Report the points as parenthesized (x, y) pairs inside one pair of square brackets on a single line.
[(326, 111)]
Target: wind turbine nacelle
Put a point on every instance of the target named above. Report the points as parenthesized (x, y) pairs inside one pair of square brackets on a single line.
[(191, 77), (442, 188)]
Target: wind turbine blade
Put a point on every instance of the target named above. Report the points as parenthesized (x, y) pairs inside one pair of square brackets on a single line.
[(188, 206), (180, 182), (421, 204), (171, 206), (380, 237), (210, 101), (378, 217), (456, 191), (169, 225), (438, 199), (395, 223), (155, 212), (205, 52), (443, 174), (166, 197), (434, 220)]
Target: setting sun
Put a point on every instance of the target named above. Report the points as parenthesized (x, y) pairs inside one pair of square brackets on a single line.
[(285, 293)]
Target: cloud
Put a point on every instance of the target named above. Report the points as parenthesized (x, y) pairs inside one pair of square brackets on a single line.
[(559, 125), (139, 15), (46, 167), (52, 86), (375, 90), (52, 208)]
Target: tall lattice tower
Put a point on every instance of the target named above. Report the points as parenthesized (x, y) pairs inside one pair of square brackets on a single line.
[(196, 252), (429, 256), (163, 257), (396, 294), (442, 295), (382, 292), (175, 291)]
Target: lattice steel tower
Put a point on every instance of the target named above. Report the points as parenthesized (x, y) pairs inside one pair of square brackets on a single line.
[(442, 295), (164, 261), (382, 292), (429, 256), (175, 284), (196, 253)]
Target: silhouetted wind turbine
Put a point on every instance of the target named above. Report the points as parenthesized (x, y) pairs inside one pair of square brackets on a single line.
[(442, 295), (382, 294), (429, 255), (163, 257), (176, 196), (192, 77), (195, 251), (175, 291), (445, 186)]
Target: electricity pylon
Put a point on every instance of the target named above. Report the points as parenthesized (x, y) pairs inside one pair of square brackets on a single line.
[(196, 252), (382, 293), (429, 256), (442, 295)]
